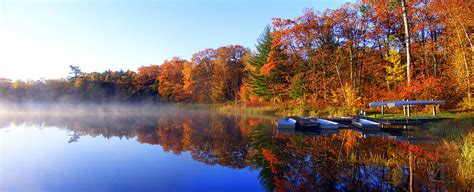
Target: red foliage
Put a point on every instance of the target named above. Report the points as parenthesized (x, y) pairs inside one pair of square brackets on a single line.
[(418, 151), (422, 87)]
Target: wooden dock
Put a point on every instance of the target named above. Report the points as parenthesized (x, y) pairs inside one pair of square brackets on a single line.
[(407, 121), (391, 121)]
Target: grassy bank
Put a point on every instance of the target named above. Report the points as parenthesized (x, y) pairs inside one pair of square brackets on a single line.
[(277, 110), (451, 130), (289, 110), (457, 134)]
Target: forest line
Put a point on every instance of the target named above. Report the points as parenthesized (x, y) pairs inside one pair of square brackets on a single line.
[(345, 57)]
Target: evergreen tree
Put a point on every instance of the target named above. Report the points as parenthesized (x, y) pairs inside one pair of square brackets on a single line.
[(257, 81)]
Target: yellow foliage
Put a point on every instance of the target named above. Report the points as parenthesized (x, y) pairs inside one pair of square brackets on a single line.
[(345, 96), (188, 78), (396, 72), (467, 103)]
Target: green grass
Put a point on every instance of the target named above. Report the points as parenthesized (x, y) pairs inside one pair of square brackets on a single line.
[(451, 130), (236, 109), (286, 111)]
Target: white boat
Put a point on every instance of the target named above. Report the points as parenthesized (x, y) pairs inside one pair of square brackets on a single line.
[(326, 124), (286, 123), (365, 123)]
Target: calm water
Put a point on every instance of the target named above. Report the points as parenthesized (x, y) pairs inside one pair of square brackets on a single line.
[(189, 150)]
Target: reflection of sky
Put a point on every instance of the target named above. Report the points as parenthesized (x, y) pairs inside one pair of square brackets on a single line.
[(34, 158)]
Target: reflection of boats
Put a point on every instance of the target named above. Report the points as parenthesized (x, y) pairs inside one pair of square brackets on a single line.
[(307, 131), (285, 131), (365, 124), (328, 131)]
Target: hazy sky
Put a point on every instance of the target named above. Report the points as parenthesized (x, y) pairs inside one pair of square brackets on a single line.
[(41, 38)]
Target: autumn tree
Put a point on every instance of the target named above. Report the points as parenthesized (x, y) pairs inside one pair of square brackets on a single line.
[(458, 21), (146, 80), (228, 73), (171, 79), (395, 70), (202, 74), (75, 72)]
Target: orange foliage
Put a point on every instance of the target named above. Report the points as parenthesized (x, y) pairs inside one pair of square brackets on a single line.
[(273, 161), (171, 79), (422, 87)]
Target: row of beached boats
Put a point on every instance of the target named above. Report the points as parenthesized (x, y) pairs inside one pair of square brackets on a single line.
[(362, 123), (310, 123)]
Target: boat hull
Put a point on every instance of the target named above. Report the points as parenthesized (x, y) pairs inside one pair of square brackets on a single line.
[(327, 125), (365, 124), (287, 123)]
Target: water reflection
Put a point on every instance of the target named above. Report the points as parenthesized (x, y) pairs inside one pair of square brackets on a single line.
[(338, 160)]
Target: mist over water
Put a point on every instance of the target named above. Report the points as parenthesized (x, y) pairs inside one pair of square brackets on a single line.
[(124, 147), (66, 109), (109, 147)]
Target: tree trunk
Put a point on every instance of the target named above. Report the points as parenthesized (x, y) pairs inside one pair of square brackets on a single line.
[(468, 68), (407, 38)]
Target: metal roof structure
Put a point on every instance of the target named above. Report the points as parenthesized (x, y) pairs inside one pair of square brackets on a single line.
[(405, 103)]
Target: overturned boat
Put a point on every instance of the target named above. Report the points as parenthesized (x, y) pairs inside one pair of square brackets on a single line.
[(365, 124), (299, 123), (326, 124), (286, 123), (307, 123)]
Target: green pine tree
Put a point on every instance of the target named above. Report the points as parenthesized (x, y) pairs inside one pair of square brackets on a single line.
[(258, 82)]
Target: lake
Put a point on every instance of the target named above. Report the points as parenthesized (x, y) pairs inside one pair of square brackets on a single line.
[(163, 148)]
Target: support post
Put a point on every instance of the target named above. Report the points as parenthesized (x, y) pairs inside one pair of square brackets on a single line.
[(382, 110), (408, 110), (434, 109)]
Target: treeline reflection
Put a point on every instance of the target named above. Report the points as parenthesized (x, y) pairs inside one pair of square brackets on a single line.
[(295, 162)]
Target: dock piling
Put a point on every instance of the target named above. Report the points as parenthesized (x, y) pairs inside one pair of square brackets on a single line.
[(434, 109), (408, 109), (382, 109)]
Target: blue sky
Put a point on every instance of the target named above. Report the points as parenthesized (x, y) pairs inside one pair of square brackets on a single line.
[(41, 38)]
